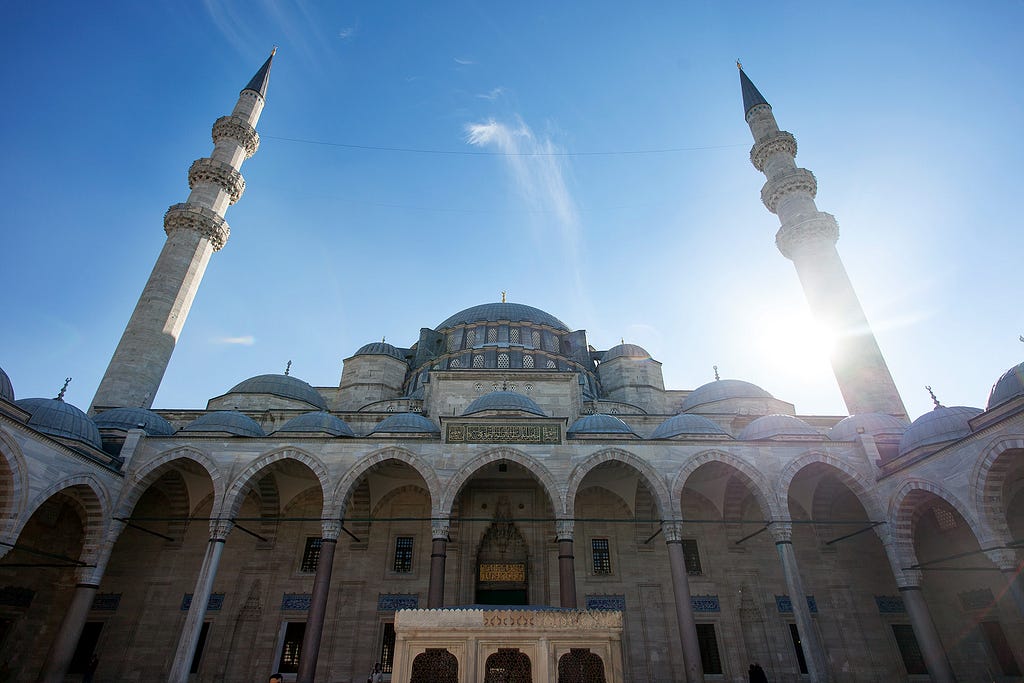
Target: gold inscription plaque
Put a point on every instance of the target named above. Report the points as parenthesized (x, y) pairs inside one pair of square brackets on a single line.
[(503, 572), (503, 433)]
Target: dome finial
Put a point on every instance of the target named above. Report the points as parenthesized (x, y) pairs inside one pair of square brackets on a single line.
[(63, 389), (716, 372), (739, 64), (503, 296), (287, 368), (622, 340), (934, 400)]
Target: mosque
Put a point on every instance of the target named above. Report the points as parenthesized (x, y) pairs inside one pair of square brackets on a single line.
[(500, 462)]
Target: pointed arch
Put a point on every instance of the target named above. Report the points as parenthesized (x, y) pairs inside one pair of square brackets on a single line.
[(94, 505), (770, 505), (13, 482), (343, 490), (653, 480), (856, 481), (247, 478), (905, 508), (394, 493), (532, 465), (138, 480), (988, 480)]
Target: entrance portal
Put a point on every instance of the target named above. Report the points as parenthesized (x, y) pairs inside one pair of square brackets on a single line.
[(501, 562)]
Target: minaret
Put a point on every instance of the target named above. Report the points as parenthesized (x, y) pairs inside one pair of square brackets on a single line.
[(808, 238), (194, 230)]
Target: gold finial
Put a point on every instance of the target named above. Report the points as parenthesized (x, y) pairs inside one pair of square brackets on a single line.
[(739, 65), (934, 400), (622, 340), (716, 373), (383, 340), (287, 368), (274, 51), (502, 296), (60, 394)]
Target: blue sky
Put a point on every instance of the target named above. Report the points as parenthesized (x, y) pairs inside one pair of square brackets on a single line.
[(908, 114)]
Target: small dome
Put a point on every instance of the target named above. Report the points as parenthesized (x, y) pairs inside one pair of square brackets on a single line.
[(722, 390), (941, 425), (6, 388), (57, 418), (407, 423), (124, 419), (492, 313), (284, 386), (599, 423), (1010, 385), (504, 400), (230, 421), (380, 349), (771, 426), (684, 424), (625, 351), (848, 428), (317, 423)]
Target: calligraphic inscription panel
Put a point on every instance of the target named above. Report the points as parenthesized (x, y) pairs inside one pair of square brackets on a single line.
[(503, 433), (503, 572)]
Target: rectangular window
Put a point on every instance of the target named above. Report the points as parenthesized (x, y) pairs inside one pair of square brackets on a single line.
[(387, 648), (311, 555), (602, 556), (198, 656), (403, 554), (798, 646), (691, 557), (709, 658), (291, 650), (913, 660), (86, 647), (1000, 647)]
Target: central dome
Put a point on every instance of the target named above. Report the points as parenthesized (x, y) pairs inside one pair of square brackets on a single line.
[(497, 312)]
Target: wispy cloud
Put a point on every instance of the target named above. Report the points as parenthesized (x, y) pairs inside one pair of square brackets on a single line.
[(494, 94), (347, 32), (247, 340), (464, 61)]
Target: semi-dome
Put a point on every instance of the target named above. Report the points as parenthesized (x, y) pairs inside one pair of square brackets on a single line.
[(56, 418), (504, 400), (406, 423), (6, 388), (625, 351), (941, 425), (284, 386), (1010, 385), (687, 424), (230, 421), (772, 426), (722, 390), (492, 313), (320, 422), (848, 428), (599, 423), (123, 419), (380, 348)]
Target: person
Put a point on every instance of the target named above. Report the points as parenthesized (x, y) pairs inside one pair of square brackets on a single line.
[(276, 678), (90, 669), (757, 674), (376, 676)]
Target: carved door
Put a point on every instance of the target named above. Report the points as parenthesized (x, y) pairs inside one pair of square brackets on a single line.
[(580, 666), (508, 665)]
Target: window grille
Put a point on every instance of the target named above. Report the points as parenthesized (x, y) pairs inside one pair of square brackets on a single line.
[(503, 360), (535, 338), (910, 651), (478, 361), (602, 556), (311, 555), (454, 340), (454, 363), (550, 365), (513, 335), (691, 557), (387, 648), (492, 334), (291, 650), (528, 362), (403, 555), (709, 657)]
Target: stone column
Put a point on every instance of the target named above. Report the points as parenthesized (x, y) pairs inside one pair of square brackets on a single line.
[(927, 636), (310, 651), (58, 659), (566, 564), (439, 528), (219, 530), (814, 654), (684, 607), (1012, 569)]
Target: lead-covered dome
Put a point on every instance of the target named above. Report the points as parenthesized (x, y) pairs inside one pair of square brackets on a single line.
[(227, 421), (722, 390), (1009, 385), (57, 418), (504, 400), (848, 428), (942, 425), (498, 312), (406, 423), (380, 348), (625, 351), (775, 426), (320, 422), (123, 419), (285, 386), (686, 424), (599, 423), (6, 388)]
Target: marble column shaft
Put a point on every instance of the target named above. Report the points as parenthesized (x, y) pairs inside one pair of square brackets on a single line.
[(438, 555), (310, 652), (927, 636), (566, 565), (684, 606), (814, 653)]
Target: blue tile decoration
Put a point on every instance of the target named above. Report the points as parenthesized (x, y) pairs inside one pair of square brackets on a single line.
[(389, 602), (705, 603), (785, 605), (979, 599), (106, 602), (296, 601), (890, 604), (214, 604), (607, 603)]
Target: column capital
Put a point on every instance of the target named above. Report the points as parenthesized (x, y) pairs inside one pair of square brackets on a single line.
[(564, 529), (440, 527), (330, 529), (672, 530), (782, 531), (908, 579), (220, 528)]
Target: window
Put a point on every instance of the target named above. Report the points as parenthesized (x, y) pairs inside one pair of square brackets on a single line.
[(709, 658), (403, 555), (602, 556), (310, 555), (691, 557), (513, 335), (492, 334), (291, 649), (478, 361), (454, 340), (1000, 647), (86, 647), (535, 339), (798, 646), (198, 656), (528, 362), (913, 661), (503, 360), (944, 518), (387, 648), (454, 363)]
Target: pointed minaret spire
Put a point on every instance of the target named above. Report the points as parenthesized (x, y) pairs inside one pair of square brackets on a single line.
[(63, 389), (808, 238), (195, 230)]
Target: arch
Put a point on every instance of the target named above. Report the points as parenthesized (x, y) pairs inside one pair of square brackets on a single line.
[(394, 493), (987, 481), (856, 481), (247, 478), (651, 477), (904, 508), (13, 489), (172, 485), (344, 489), (137, 481), (607, 497), (533, 466), (769, 504), (95, 508)]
